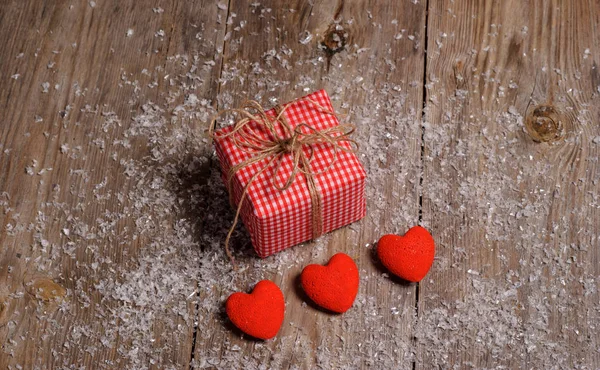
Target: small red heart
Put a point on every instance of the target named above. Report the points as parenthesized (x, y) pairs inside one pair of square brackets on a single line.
[(260, 313), (410, 256), (333, 286)]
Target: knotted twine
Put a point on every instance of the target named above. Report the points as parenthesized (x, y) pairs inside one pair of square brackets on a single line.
[(274, 148)]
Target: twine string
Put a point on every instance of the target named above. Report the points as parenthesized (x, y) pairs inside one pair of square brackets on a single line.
[(245, 136)]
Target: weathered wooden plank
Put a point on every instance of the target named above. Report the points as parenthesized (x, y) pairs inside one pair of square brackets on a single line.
[(274, 53), (515, 280), (83, 204)]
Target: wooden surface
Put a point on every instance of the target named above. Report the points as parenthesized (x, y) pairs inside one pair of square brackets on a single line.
[(510, 214), (302, 330), (113, 213)]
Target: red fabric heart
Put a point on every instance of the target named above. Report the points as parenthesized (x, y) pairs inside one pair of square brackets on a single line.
[(260, 313), (410, 256), (333, 286)]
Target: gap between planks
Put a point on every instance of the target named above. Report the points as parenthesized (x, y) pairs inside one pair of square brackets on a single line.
[(216, 103), (422, 157)]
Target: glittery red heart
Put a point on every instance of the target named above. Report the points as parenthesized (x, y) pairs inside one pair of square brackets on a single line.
[(410, 256), (260, 313), (333, 286)]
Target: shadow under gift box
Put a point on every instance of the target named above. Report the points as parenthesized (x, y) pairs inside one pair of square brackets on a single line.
[(277, 219)]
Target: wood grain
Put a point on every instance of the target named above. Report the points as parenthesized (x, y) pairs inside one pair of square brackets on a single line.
[(511, 195), (113, 213), (266, 60), (74, 75)]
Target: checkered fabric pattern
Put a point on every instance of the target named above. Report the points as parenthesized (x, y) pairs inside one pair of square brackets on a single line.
[(278, 219)]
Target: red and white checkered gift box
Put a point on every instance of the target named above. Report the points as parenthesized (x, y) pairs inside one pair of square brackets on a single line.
[(279, 219)]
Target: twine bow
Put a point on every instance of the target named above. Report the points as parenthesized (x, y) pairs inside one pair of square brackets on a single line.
[(248, 135)]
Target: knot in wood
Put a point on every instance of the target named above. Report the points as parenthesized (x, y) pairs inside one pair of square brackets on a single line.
[(3, 311), (543, 124), (335, 40), (46, 290)]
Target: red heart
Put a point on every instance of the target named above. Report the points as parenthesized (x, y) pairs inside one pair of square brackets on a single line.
[(333, 286), (260, 313), (410, 256)]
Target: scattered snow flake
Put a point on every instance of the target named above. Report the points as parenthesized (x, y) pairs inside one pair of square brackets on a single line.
[(30, 170), (305, 37), (586, 53)]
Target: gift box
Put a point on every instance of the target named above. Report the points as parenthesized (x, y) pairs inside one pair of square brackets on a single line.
[(294, 169)]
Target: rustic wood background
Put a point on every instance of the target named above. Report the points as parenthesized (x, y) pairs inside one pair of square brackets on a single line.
[(479, 120)]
